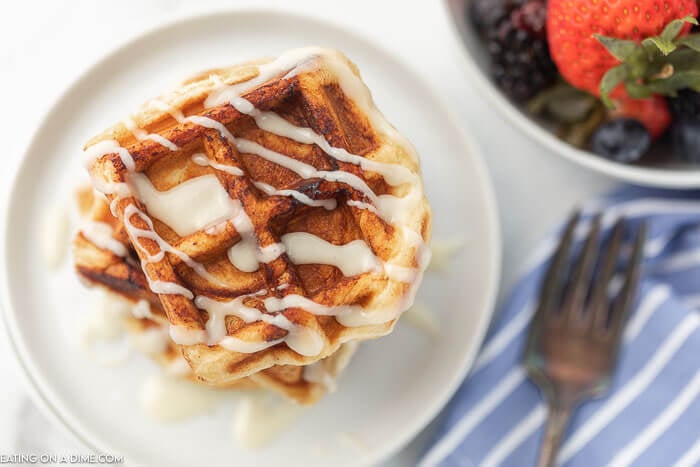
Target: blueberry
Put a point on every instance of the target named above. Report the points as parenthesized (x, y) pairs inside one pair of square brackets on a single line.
[(686, 140), (622, 140)]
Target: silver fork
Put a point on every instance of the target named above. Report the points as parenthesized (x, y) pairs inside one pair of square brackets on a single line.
[(575, 335)]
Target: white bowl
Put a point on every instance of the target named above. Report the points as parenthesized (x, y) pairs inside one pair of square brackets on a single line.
[(664, 175)]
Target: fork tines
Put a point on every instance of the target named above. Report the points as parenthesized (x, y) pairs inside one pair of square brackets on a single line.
[(581, 285)]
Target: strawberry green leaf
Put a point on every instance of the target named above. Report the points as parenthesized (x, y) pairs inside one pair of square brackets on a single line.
[(679, 80), (692, 41), (637, 91), (673, 28), (665, 46), (619, 48), (610, 81), (659, 65), (684, 60)]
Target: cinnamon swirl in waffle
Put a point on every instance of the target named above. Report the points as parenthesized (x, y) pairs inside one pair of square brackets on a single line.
[(275, 214)]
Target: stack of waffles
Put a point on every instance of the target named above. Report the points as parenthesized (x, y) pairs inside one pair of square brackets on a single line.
[(265, 217)]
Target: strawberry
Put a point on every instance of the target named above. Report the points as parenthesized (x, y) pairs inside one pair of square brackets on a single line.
[(653, 112), (598, 44)]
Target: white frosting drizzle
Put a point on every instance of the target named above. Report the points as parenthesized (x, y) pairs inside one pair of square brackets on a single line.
[(218, 310), (347, 315), (109, 146), (151, 341), (235, 344), (300, 339), (178, 367), (165, 107), (401, 273), (290, 60), (167, 399), (102, 334), (423, 252), (259, 419), (246, 255), (142, 134), (187, 336), (101, 234), (142, 309), (216, 229), (200, 158), (328, 204), (191, 206), (163, 247), (352, 258), (121, 191), (168, 288), (139, 133), (363, 205), (393, 174), (304, 170), (212, 124)]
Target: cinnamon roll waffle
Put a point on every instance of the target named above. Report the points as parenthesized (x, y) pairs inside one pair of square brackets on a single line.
[(275, 214)]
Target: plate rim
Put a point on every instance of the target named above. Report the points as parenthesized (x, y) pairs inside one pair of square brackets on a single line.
[(39, 389)]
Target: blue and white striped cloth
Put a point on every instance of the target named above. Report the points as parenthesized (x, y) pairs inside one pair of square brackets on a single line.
[(651, 416)]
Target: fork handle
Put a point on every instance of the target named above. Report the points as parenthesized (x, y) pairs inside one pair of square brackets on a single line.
[(557, 422)]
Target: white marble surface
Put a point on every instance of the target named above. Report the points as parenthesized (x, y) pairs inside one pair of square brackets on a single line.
[(44, 45)]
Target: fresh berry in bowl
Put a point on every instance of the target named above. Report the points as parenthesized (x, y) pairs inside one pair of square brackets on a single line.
[(685, 130), (516, 38), (612, 84), (621, 139)]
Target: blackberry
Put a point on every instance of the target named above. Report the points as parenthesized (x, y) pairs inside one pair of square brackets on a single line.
[(686, 140), (685, 106), (516, 40), (685, 131), (486, 14)]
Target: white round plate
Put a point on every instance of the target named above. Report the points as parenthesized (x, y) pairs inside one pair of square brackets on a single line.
[(394, 386)]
